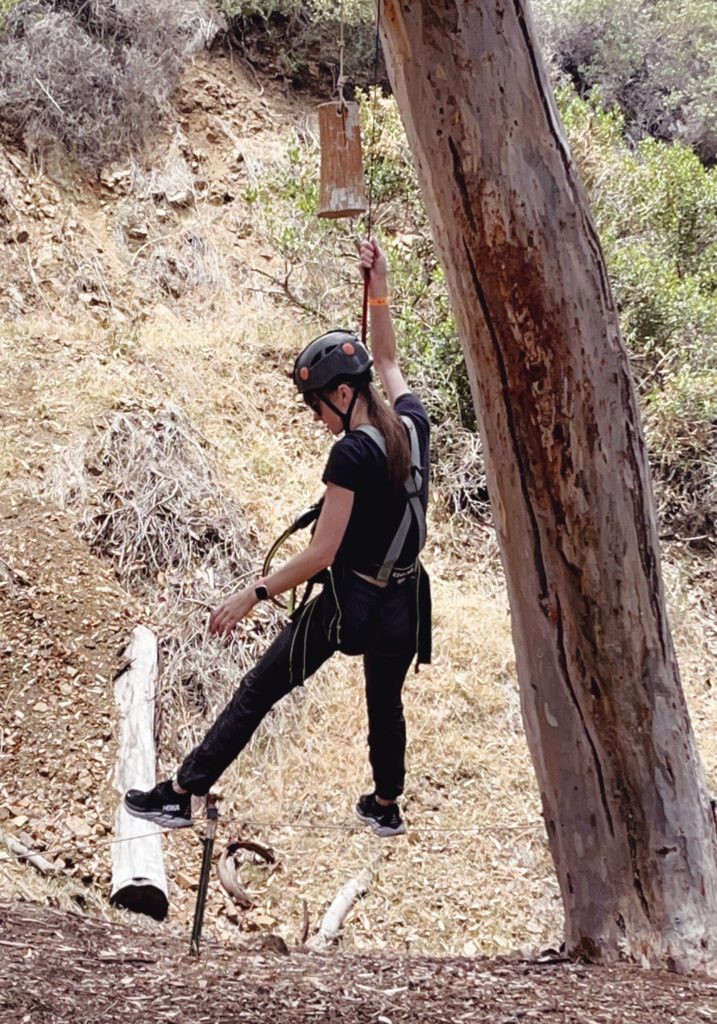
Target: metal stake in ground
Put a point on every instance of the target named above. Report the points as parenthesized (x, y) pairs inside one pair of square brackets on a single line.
[(209, 836)]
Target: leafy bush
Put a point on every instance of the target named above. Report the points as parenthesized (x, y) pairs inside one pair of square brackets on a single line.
[(656, 210), (93, 74), (314, 28), (5, 7), (655, 60)]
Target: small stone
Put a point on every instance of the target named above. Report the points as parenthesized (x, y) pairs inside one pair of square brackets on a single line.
[(181, 197), (184, 881), (78, 827)]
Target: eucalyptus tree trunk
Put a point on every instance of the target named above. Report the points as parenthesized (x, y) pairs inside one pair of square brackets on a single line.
[(624, 799)]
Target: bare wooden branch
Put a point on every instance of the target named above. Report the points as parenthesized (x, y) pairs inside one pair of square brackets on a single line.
[(25, 852), (341, 904), (286, 289), (305, 923)]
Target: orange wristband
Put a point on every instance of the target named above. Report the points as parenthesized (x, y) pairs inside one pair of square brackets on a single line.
[(379, 302)]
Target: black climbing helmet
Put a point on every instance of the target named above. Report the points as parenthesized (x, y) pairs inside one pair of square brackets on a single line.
[(337, 354)]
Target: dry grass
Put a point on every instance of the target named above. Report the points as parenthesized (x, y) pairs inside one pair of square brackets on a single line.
[(468, 765), (486, 886)]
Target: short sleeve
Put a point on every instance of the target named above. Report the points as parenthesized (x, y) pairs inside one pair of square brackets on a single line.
[(409, 404), (344, 465)]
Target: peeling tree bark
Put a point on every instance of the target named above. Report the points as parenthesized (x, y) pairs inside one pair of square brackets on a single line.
[(622, 786)]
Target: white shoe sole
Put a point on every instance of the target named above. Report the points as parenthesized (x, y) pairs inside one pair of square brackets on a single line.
[(382, 831)]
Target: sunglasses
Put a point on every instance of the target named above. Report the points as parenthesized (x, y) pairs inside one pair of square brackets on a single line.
[(314, 402)]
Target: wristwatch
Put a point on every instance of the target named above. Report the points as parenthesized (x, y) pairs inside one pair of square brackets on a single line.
[(262, 591)]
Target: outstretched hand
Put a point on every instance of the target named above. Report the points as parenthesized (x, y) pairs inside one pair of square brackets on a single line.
[(225, 618)]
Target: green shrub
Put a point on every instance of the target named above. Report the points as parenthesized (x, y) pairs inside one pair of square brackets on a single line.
[(314, 30), (6, 6), (656, 210), (655, 60)]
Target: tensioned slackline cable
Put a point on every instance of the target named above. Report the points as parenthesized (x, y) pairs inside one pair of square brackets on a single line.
[(268, 825)]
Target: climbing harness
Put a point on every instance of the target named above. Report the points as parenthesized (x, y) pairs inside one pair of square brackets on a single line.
[(412, 486), (414, 510)]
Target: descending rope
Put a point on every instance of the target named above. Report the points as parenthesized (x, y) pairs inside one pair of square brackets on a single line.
[(341, 82), (374, 110), (371, 165)]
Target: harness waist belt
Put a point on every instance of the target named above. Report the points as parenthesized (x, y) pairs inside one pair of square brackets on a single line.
[(399, 574)]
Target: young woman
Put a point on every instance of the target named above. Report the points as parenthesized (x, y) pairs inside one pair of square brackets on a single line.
[(375, 599)]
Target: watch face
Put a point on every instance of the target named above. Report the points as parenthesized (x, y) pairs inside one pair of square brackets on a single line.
[(261, 592)]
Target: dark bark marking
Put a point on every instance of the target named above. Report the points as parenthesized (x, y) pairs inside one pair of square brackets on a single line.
[(632, 833), (535, 531), (505, 389), (648, 557), (562, 657), (460, 180), (535, 59)]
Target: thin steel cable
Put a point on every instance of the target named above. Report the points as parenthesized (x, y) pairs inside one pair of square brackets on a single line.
[(269, 825)]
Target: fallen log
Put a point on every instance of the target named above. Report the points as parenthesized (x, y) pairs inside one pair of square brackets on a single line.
[(341, 904), (139, 882)]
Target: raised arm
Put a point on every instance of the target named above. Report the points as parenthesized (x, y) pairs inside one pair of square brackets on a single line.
[(383, 338)]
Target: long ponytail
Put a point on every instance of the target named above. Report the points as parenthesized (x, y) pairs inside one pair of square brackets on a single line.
[(387, 420)]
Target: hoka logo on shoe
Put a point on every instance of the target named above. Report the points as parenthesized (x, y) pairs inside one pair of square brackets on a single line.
[(171, 807)]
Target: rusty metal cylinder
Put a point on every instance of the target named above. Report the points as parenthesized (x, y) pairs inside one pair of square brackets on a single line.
[(342, 189)]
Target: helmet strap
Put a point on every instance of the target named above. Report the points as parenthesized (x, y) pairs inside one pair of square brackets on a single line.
[(345, 417)]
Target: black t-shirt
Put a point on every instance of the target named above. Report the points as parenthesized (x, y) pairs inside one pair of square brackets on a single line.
[(356, 463)]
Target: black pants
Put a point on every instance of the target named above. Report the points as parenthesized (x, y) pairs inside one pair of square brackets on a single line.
[(360, 619)]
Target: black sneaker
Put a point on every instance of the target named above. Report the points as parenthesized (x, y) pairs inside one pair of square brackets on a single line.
[(161, 805), (385, 821)]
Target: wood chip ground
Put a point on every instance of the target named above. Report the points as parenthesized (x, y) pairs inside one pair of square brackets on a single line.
[(56, 967)]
